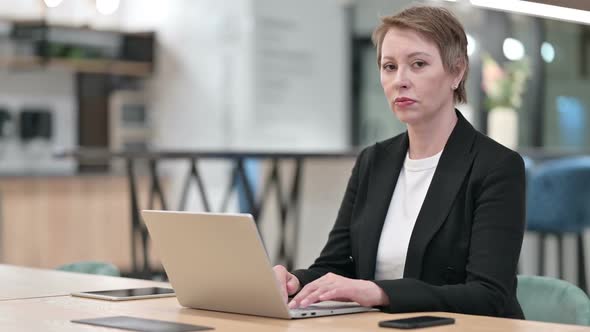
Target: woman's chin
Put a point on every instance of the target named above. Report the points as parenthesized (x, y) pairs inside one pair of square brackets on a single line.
[(406, 116)]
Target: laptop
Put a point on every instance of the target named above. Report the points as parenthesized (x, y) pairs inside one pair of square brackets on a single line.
[(218, 262)]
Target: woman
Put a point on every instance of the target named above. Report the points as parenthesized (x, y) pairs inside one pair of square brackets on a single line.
[(432, 219)]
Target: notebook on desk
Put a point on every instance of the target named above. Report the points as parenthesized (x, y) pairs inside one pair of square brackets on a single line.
[(218, 262)]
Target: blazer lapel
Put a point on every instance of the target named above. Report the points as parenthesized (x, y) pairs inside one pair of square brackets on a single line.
[(383, 177), (453, 165)]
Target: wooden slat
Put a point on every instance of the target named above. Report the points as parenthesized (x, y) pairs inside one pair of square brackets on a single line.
[(48, 221)]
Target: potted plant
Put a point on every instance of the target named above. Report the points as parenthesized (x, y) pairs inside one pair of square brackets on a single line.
[(503, 87)]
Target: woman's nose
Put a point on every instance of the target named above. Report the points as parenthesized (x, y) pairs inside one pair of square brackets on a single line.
[(401, 80)]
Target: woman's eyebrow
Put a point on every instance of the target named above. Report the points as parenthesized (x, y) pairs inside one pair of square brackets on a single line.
[(411, 55)]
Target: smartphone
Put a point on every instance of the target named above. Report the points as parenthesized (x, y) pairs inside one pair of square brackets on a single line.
[(128, 294), (416, 322)]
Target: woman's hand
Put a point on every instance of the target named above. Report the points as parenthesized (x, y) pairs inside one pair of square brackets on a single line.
[(288, 283), (337, 288)]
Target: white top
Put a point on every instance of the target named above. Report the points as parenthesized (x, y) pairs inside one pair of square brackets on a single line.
[(406, 202)]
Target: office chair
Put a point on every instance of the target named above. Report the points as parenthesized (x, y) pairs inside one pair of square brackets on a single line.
[(552, 300), (529, 165), (558, 202), (91, 267)]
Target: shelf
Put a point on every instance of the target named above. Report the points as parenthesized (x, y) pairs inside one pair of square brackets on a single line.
[(24, 62), (99, 66), (113, 67), (80, 49)]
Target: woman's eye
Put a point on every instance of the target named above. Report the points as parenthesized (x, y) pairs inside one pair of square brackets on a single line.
[(419, 64), (389, 67)]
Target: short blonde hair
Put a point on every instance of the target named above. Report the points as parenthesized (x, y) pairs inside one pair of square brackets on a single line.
[(438, 25)]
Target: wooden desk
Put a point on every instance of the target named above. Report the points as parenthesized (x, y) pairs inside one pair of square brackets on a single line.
[(22, 282), (55, 313)]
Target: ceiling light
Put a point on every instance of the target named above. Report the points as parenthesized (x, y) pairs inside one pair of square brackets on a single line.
[(536, 9), (52, 3), (107, 7), (547, 52), (513, 49)]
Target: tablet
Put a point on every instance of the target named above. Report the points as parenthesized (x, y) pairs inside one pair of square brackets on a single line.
[(128, 294), (141, 324)]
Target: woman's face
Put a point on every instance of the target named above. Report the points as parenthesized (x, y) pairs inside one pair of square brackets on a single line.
[(415, 83)]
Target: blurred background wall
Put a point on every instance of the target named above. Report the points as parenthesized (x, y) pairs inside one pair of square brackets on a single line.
[(244, 75)]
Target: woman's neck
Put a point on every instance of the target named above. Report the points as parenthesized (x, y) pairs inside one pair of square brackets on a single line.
[(429, 138)]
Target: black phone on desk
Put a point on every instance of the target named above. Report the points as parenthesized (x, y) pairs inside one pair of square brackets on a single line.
[(416, 322)]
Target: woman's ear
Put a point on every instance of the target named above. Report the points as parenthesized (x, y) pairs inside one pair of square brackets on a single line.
[(459, 72)]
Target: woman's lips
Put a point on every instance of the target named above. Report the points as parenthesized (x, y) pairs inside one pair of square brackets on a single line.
[(403, 101)]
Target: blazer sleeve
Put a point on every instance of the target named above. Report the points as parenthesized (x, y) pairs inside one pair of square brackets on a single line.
[(336, 255), (496, 238)]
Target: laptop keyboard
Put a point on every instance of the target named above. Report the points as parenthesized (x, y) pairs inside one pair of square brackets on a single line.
[(328, 305)]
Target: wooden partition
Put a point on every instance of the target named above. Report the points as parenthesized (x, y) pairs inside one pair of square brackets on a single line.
[(49, 221)]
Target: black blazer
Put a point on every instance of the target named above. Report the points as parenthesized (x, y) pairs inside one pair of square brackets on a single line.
[(465, 245)]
